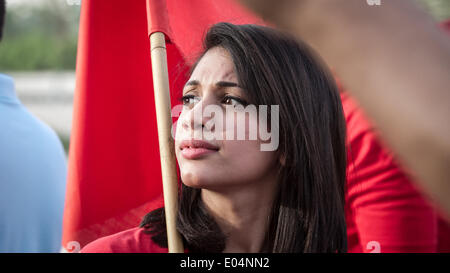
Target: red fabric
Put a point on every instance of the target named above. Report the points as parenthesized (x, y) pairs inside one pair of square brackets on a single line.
[(114, 165), (158, 17), (129, 241), (189, 21)]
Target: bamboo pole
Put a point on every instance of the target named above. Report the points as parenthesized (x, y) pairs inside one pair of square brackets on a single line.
[(166, 142)]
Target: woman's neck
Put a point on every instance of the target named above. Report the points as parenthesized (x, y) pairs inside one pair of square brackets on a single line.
[(242, 213)]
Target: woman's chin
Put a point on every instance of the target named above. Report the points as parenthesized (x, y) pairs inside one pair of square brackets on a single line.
[(201, 182), (193, 180)]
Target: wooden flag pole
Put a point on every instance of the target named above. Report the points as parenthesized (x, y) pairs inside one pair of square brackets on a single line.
[(166, 142)]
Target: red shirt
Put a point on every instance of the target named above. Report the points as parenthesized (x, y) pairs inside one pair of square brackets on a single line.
[(129, 241), (384, 211)]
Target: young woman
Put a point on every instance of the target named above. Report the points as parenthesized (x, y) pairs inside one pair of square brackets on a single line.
[(235, 196)]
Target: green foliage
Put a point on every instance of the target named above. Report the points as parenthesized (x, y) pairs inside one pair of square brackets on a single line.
[(440, 9), (65, 140), (37, 52), (40, 36)]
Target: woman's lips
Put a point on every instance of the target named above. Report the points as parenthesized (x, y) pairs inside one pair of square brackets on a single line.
[(195, 153), (195, 149)]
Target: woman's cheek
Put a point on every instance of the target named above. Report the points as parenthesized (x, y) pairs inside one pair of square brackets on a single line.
[(239, 127)]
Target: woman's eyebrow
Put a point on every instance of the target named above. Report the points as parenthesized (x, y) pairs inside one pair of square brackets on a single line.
[(220, 84), (226, 84), (193, 82)]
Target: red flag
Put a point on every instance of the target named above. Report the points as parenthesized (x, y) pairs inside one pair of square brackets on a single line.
[(114, 169)]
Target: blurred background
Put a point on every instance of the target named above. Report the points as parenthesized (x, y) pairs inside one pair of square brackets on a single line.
[(39, 51)]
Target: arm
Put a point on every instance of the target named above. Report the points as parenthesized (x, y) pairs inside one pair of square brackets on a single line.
[(386, 210), (395, 62)]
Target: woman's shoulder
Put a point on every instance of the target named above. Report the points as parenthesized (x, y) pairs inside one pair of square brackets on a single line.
[(133, 240)]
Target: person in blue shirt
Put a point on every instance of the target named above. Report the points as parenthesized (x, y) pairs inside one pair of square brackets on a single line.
[(32, 176)]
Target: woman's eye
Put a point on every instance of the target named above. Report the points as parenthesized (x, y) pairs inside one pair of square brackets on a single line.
[(234, 101), (188, 100)]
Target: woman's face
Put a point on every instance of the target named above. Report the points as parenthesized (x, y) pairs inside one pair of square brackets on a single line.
[(216, 162)]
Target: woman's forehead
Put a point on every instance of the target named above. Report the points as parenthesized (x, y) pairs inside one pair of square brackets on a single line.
[(215, 65)]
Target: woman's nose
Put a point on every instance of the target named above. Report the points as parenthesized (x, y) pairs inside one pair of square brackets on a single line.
[(196, 118)]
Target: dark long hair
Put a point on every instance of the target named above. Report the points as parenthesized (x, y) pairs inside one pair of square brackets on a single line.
[(308, 211)]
